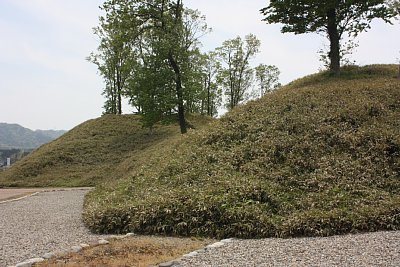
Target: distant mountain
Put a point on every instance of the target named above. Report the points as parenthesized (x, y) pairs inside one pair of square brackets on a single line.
[(51, 133), (16, 136)]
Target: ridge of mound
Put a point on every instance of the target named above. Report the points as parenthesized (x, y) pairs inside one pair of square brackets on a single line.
[(95, 152), (320, 156)]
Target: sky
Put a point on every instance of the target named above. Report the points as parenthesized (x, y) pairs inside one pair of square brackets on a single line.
[(46, 83)]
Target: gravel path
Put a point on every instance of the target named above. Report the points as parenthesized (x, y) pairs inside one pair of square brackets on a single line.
[(46, 222), (50, 221), (371, 249)]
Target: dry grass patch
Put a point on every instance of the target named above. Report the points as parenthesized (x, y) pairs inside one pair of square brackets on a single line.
[(135, 251)]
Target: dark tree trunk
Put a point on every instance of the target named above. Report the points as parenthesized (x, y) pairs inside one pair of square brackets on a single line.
[(119, 93), (114, 101), (334, 38), (398, 76), (119, 103), (179, 93), (208, 84), (178, 76)]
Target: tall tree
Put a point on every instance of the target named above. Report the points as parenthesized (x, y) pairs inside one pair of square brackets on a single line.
[(267, 77), (115, 57), (211, 97), (236, 74), (173, 33), (333, 17), (164, 37)]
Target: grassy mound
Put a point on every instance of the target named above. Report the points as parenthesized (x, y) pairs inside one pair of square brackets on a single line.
[(94, 152), (320, 156)]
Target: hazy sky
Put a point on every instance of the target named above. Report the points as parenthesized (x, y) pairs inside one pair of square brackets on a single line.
[(46, 83)]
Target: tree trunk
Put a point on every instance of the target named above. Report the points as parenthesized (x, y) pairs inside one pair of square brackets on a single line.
[(119, 102), (115, 94), (208, 84), (334, 38), (179, 93), (181, 108), (398, 76), (178, 76), (119, 93)]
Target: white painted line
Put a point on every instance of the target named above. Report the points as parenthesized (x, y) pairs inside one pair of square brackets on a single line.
[(20, 198)]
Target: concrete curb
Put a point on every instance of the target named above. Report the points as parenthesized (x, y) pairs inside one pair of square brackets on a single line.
[(177, 262), (72, 249), (78, 248)]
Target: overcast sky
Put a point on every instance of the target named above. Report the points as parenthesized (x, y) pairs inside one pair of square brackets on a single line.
[(46, 83)]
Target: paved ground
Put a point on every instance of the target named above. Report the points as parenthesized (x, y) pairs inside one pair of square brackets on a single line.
[(51, 221), (45, 222)]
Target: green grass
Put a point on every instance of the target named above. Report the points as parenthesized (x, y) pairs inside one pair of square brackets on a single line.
[(318, 157), (95, 152)]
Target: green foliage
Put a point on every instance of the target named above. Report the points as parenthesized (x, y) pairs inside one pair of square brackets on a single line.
[(153, 48), (333, 18), (347, 48), (305, 16), (211, 95), (395, 6), (320, 156), (267, 77), (116, 57), (236, 75)]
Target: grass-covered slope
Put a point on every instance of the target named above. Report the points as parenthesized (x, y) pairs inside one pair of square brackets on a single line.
[(94, 152), (318, 157)]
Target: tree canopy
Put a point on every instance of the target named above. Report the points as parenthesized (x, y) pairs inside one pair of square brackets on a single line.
[(149, 52), (237, 75), (267, 77), (332, 17)]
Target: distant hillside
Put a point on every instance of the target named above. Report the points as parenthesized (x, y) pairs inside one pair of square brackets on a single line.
[(97, 151), (320, 156), (14, 136), (53, 134)]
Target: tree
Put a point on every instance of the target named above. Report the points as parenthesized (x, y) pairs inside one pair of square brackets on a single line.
[(347, 48), (267, 77), (164, 41), (211, 96), (333, 17), (236, 75), (115, 57)]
